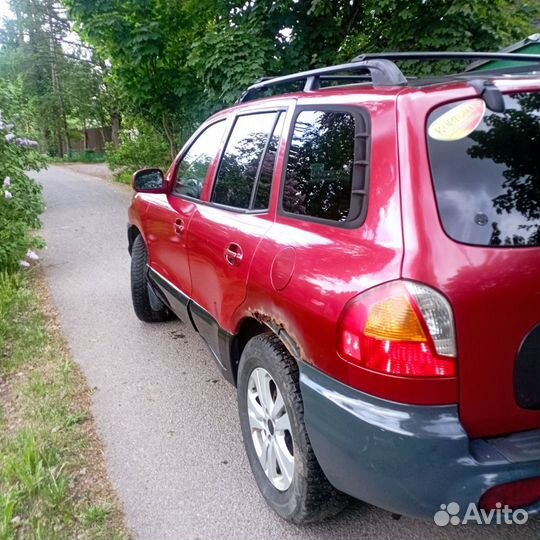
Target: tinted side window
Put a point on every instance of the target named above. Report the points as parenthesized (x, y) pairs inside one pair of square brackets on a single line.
[(487, 178), (264, 184), (321, 165), (240, 162), (192, 170)]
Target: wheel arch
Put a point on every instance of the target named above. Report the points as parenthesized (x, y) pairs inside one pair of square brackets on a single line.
[(132, 233), (250, 327)]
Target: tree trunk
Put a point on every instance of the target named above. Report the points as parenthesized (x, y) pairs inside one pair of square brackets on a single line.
[(59, 142), (54, 47), (103, 139), (18, 17), (47, 138), (169, 133), (115, 128)]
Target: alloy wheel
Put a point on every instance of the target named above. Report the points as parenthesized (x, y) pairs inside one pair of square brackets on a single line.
[(270, 429)]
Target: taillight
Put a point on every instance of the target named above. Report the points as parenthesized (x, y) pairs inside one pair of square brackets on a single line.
[(518, 494), (400, 328)]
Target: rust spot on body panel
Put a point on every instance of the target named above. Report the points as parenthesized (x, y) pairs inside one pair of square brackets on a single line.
[(280, 329)]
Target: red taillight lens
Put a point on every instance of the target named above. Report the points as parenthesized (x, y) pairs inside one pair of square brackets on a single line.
[(399, 328), (516, 495), (402, 358)]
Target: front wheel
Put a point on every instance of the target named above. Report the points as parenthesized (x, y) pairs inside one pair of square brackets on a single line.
[(277, 444), (140, 293)]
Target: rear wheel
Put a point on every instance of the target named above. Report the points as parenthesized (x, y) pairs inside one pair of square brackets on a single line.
[(277, 444), (145, 309)]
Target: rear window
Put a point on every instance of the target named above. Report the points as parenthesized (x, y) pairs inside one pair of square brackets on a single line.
[(486, 170)]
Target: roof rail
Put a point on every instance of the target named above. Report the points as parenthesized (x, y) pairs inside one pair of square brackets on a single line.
[(381, 69), (382, 72), (526, 43), (534, 58)]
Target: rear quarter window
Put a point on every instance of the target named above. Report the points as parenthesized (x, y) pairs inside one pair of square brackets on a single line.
[(487, 182), (326, 173)]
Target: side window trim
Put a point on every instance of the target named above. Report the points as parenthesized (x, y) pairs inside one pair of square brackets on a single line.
[(235, 208), (362, 118), (278, 112), (261, 163), (228, 119)]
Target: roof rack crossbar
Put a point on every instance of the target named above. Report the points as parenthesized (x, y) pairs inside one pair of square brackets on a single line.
[(382, 72)]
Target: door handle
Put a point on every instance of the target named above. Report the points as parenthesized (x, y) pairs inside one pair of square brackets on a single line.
[(233, 254), (179, 226)]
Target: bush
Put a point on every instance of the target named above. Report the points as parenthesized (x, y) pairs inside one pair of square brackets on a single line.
[(137, 150), (21, 201)]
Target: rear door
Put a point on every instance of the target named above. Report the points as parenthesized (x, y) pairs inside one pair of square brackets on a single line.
[(224, 234), (169, 216), (328, 243)]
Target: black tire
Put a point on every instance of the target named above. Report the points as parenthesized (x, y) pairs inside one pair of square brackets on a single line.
[(310, 497), (139, 286)]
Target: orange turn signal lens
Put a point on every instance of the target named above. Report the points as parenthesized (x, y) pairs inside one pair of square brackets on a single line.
[(394, 319)]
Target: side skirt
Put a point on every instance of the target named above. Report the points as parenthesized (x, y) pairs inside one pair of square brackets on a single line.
[(173, 296), (218, 340)]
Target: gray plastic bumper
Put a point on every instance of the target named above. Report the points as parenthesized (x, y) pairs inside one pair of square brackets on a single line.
[(404, 458)]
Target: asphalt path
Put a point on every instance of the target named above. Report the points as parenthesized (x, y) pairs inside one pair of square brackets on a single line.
[(168, 422)]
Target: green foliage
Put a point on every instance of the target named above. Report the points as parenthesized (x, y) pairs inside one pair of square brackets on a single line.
[(240, 53), (147, 44), (175, 61), (96, 514), (21, 201), (170, 63), (137, 150), (440, 25), (10, 300), (8, 505)]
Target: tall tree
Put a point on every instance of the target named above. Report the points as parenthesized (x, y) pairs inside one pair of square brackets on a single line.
[(146, 44), (173, 61), (62, 81)]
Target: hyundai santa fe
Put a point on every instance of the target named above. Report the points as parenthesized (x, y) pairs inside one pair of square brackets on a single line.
[(360, 251)]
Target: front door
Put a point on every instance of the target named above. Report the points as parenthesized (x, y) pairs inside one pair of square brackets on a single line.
[(169, 217)]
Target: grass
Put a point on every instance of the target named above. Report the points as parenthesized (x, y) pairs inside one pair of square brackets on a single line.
[(53, 483), (80, 157), (124, 177)]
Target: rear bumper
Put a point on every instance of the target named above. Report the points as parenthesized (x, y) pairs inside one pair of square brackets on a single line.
[(407, 459)]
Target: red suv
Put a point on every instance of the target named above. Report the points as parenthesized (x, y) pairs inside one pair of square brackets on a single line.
[(362, 257)]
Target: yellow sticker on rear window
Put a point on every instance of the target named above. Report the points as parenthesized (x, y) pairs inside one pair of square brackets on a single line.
[(459, 121)]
